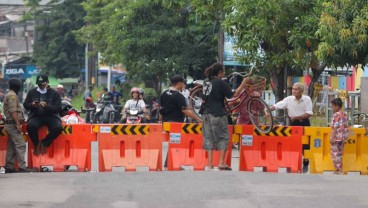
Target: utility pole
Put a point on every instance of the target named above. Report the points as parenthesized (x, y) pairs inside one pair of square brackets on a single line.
[(86, 67)]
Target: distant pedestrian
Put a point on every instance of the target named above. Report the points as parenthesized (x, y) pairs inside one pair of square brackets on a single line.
[(300, 109), (87, 93), (116, 96), (60, 90), (339, 134)]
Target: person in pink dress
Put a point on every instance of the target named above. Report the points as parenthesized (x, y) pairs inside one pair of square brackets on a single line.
[(339, 134)]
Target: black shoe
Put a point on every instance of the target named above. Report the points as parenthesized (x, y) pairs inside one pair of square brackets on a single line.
[(10, 170), (26, 170)]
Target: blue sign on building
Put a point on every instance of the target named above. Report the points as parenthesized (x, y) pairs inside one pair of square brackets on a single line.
[(20, 71)]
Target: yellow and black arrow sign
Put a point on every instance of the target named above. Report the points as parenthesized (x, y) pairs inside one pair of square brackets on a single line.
[(276, 131), (350, 141), (2, 131), (67, 129), (130, 130), (191, 129)]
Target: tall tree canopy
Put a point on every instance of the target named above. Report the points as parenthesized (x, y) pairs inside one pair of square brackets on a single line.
[(343, 29), (153, 41), (274, 35), (56, 50)]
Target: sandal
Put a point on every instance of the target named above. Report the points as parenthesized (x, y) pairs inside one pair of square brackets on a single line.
[(225, 168)]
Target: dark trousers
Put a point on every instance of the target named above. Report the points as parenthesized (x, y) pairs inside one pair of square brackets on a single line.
[(54, 128), (305, 122)]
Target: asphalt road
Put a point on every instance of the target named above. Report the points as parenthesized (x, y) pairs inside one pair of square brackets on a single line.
[(182, 189)]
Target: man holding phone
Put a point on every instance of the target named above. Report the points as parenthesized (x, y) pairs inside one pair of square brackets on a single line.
[(44, 106)]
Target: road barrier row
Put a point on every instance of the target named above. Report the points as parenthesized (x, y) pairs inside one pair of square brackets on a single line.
[(134, 146)]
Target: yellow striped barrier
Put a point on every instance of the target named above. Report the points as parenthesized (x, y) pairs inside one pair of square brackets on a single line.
[(355, 156)]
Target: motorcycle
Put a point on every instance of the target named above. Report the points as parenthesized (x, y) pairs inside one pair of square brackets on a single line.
[(134, 117), (69, 115), (72, 117), (106, 112)]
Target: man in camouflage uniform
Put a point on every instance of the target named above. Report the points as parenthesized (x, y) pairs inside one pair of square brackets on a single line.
[(13, 127)]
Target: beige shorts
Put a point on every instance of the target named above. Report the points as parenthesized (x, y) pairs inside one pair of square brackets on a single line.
[(215, 132)]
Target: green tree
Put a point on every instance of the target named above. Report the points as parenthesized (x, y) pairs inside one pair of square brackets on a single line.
[(276, 35), (56, 50), (151, 40), (343, 30)]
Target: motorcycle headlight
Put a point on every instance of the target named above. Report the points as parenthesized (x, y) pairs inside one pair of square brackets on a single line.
[(72, 120)]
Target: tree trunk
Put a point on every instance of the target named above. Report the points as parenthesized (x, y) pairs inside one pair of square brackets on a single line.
[(278, 83), (316, 74)]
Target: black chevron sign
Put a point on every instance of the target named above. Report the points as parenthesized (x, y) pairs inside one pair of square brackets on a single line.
[(192, 129), (350, 141), (67, 129), (130, 130), (276, 131)]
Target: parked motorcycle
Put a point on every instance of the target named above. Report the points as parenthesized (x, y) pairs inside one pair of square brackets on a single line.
[(69, 115), (106, 112), (72, 117)]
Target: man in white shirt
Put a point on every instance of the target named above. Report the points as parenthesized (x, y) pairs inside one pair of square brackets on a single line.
[(300, 109)]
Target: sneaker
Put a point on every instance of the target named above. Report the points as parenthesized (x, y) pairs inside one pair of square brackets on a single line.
[(26, 170), (10, 170)]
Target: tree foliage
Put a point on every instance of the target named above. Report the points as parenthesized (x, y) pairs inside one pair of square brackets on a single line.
[(153, 41), (276, 35), (343, 29), (56, 50)]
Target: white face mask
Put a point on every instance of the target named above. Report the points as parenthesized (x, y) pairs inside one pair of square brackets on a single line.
[(42, 91)]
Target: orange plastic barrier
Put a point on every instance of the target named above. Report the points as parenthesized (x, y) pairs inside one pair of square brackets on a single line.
[(3, 146), (185, 147), (281, 148), (71, 148), (129, 146)]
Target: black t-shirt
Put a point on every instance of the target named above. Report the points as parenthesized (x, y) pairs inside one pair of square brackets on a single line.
[(172, 104), (217, 91)]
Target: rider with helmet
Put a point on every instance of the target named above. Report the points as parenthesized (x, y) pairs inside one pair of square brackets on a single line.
[(141, 93), (135, 103)]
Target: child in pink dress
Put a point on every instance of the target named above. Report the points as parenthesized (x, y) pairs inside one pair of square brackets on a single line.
[(339, 133)]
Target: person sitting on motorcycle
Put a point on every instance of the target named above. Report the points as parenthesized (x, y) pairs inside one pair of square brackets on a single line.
[(134, 104), (106, 95), (141, 94), (89, 105)]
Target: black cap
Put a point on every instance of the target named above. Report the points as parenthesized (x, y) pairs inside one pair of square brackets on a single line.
[(15, 82), (42, 79), (176, 79)]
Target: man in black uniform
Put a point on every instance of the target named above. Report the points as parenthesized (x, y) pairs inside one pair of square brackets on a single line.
[(44, 104)]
